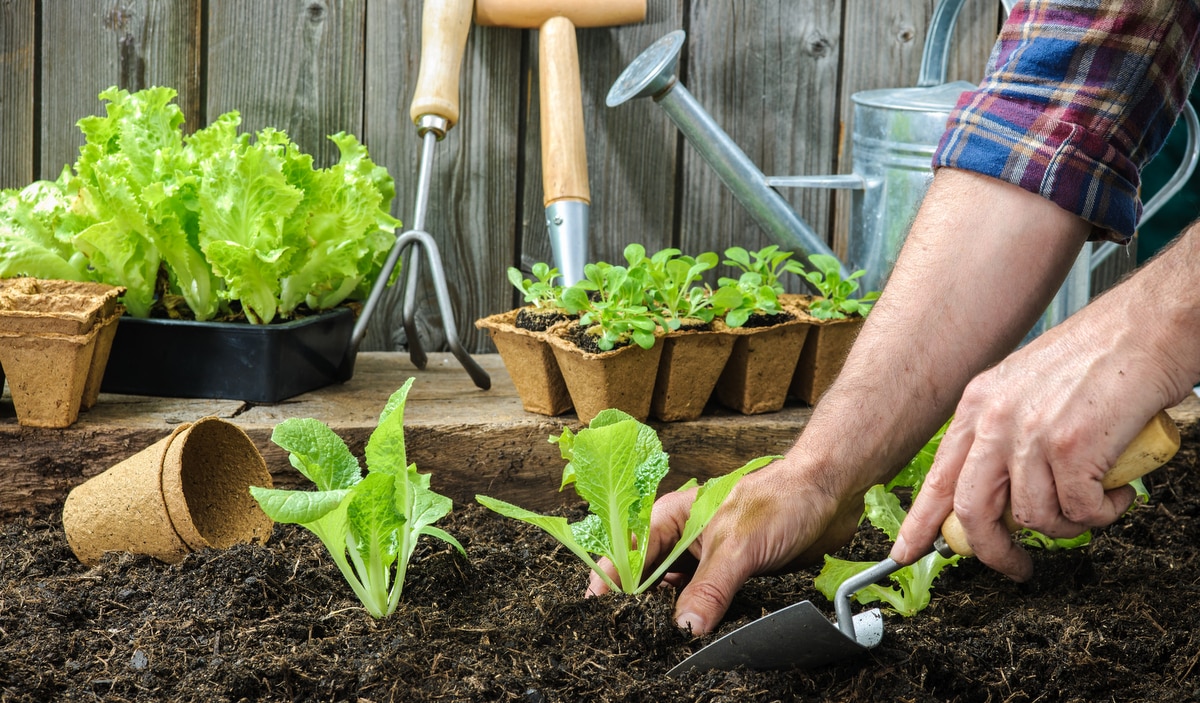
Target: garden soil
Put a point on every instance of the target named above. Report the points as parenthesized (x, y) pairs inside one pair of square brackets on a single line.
[(1116, 620)]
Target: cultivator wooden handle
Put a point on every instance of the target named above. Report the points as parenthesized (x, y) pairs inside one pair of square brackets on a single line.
[(444, 25), (1151, 448)]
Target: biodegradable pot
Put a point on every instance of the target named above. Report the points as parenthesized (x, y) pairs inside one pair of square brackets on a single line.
[(821, 360), (231, 360), (530, 362), (55, 338), (622, 378), (188, 491), (760, 367), (691, 363)]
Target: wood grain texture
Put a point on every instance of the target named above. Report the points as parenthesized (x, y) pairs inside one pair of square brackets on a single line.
[(296, 65), (17, 54), (133, 44), (471, 441), (767, 73)]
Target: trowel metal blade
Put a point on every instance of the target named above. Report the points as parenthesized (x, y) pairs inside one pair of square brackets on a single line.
[(798, 635)]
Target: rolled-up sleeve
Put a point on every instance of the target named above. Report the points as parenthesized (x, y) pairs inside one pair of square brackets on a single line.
[(1078, 97)]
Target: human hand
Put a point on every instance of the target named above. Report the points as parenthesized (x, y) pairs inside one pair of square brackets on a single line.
[(1036, 434), (775, 519)]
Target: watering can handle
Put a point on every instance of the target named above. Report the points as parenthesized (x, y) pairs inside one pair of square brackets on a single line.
[(936, 56)]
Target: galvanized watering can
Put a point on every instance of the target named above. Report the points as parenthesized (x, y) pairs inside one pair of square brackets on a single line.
[(896, 131)]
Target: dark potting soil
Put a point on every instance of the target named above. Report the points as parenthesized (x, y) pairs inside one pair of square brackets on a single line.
[(578, 335), (538, 320), (1113, 621), (760, 320)]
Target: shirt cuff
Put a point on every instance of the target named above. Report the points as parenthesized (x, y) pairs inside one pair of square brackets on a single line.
[(1021, 144)]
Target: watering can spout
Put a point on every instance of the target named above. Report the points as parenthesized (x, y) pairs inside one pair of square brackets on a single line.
[(652, 74)]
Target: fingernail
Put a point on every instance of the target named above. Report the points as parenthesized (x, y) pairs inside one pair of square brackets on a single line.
[(899, 549), (689, 621)]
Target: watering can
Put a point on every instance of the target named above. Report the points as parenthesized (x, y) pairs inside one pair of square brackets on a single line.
[(896, 131)]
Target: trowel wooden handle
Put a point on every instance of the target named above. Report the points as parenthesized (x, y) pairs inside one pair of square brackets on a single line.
[(444, 25), (564, 149), (1150, 449)]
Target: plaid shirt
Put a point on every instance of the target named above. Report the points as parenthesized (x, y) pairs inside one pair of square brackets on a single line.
[(1079, 95)]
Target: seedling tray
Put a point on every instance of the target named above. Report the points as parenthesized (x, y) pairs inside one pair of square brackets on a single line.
[(232, 361)]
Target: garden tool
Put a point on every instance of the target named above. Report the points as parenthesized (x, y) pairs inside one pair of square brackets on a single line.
[(799, 635), (434, 110), (564, 149)]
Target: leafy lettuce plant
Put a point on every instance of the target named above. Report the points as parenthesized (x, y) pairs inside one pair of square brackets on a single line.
[(371, 524), (835, 302), (616, 465), (912, 584), (218, 219)]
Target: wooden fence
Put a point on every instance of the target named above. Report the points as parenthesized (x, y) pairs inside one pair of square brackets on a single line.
[(777, 74)]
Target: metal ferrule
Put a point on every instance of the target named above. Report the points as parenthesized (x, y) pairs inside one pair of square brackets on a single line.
[(432, 123), (567, 225)]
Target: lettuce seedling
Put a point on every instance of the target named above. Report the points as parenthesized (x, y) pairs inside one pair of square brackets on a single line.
[(541, 292), (370, 525), (616, 464), (835, 302), (912, 584), (611, 304)]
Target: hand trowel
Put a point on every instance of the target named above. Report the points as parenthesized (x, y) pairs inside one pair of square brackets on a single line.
[(801, 636)]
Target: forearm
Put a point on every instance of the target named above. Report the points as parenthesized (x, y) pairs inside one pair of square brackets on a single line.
[(981, 262)]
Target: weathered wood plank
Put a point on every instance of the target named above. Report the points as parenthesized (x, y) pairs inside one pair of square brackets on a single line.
[(17, 51), (128, 43), (470, 440), (883, 47), (631, 150), (294, 65), (472, 191), (767, 73)]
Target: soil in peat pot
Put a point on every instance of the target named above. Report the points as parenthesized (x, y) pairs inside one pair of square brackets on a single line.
[(1114, 621)]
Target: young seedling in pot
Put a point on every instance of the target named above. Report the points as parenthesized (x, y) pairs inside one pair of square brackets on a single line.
[(541, 294), (674, 286), (835, 302), (371, 524), (616, 465), (611, 304), (754, 294)]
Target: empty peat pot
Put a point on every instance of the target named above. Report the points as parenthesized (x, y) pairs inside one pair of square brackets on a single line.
[(188, 491)]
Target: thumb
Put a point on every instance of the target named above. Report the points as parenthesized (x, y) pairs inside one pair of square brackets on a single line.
[(703, 602)]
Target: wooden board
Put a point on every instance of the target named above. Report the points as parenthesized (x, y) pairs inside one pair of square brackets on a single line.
[(471, 441)]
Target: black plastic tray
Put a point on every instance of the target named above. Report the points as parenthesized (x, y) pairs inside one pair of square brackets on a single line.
[(232, 361)]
